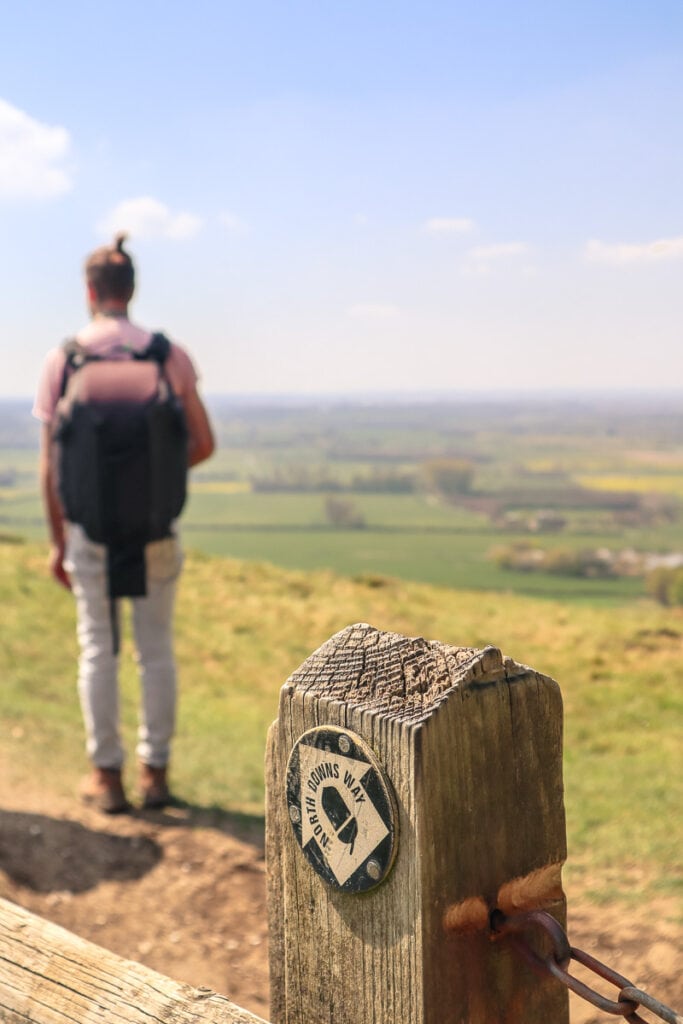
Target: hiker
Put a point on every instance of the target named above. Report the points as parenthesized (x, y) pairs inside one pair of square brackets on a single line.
[(111, 496)]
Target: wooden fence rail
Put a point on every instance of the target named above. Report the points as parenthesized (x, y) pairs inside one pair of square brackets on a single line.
[(50, 976), (413, 787)]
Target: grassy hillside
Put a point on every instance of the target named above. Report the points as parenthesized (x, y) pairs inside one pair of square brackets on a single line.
[(242, 628)]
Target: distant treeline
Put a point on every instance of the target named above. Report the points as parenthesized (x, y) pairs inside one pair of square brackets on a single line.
[(301, 479), (446, 477)]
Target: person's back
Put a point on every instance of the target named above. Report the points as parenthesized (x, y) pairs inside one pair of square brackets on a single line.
[(87, 564)]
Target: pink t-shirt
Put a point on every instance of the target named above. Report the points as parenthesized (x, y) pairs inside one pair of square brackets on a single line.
[(113, 337)]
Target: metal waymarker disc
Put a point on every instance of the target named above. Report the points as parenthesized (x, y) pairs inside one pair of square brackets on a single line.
[(342, 809)]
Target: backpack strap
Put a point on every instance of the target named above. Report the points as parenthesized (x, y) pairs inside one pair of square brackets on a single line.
[(75, 356), (158, 349)]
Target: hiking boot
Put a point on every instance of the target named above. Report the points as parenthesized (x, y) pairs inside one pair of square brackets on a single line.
[(103, 789), (154, 787)]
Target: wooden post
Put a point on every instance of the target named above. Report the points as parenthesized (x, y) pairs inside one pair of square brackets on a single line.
[(471, 745)]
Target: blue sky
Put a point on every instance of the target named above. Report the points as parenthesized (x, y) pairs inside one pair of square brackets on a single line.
[(346, 196)]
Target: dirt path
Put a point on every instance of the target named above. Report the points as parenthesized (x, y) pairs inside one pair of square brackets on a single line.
[(184, 892)]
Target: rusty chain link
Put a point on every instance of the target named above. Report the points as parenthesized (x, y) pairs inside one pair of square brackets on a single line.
[(517, 927)]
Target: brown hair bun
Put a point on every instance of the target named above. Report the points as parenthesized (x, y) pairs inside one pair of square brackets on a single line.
[(110, 270)]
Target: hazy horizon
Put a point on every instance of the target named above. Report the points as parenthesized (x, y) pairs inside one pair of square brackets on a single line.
[(400, 397)]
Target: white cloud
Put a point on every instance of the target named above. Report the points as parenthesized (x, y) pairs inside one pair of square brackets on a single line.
[(623, 254), (235, 225), (373, 311), (146, 217), (448, 225), (32, 156)]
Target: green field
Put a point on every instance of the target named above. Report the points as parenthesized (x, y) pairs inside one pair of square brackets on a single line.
[(405, 536), (263, 495), (448, 559)]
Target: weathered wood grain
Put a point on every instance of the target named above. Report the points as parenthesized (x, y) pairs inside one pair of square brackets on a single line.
[(472, 743), (50, 976)]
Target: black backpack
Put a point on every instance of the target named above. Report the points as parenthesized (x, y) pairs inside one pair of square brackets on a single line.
[(122, 463)]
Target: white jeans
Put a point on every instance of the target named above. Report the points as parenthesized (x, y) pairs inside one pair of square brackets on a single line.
[(98, 665)]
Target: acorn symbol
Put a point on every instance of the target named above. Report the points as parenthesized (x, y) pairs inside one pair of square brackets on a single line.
[(343, 822)]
